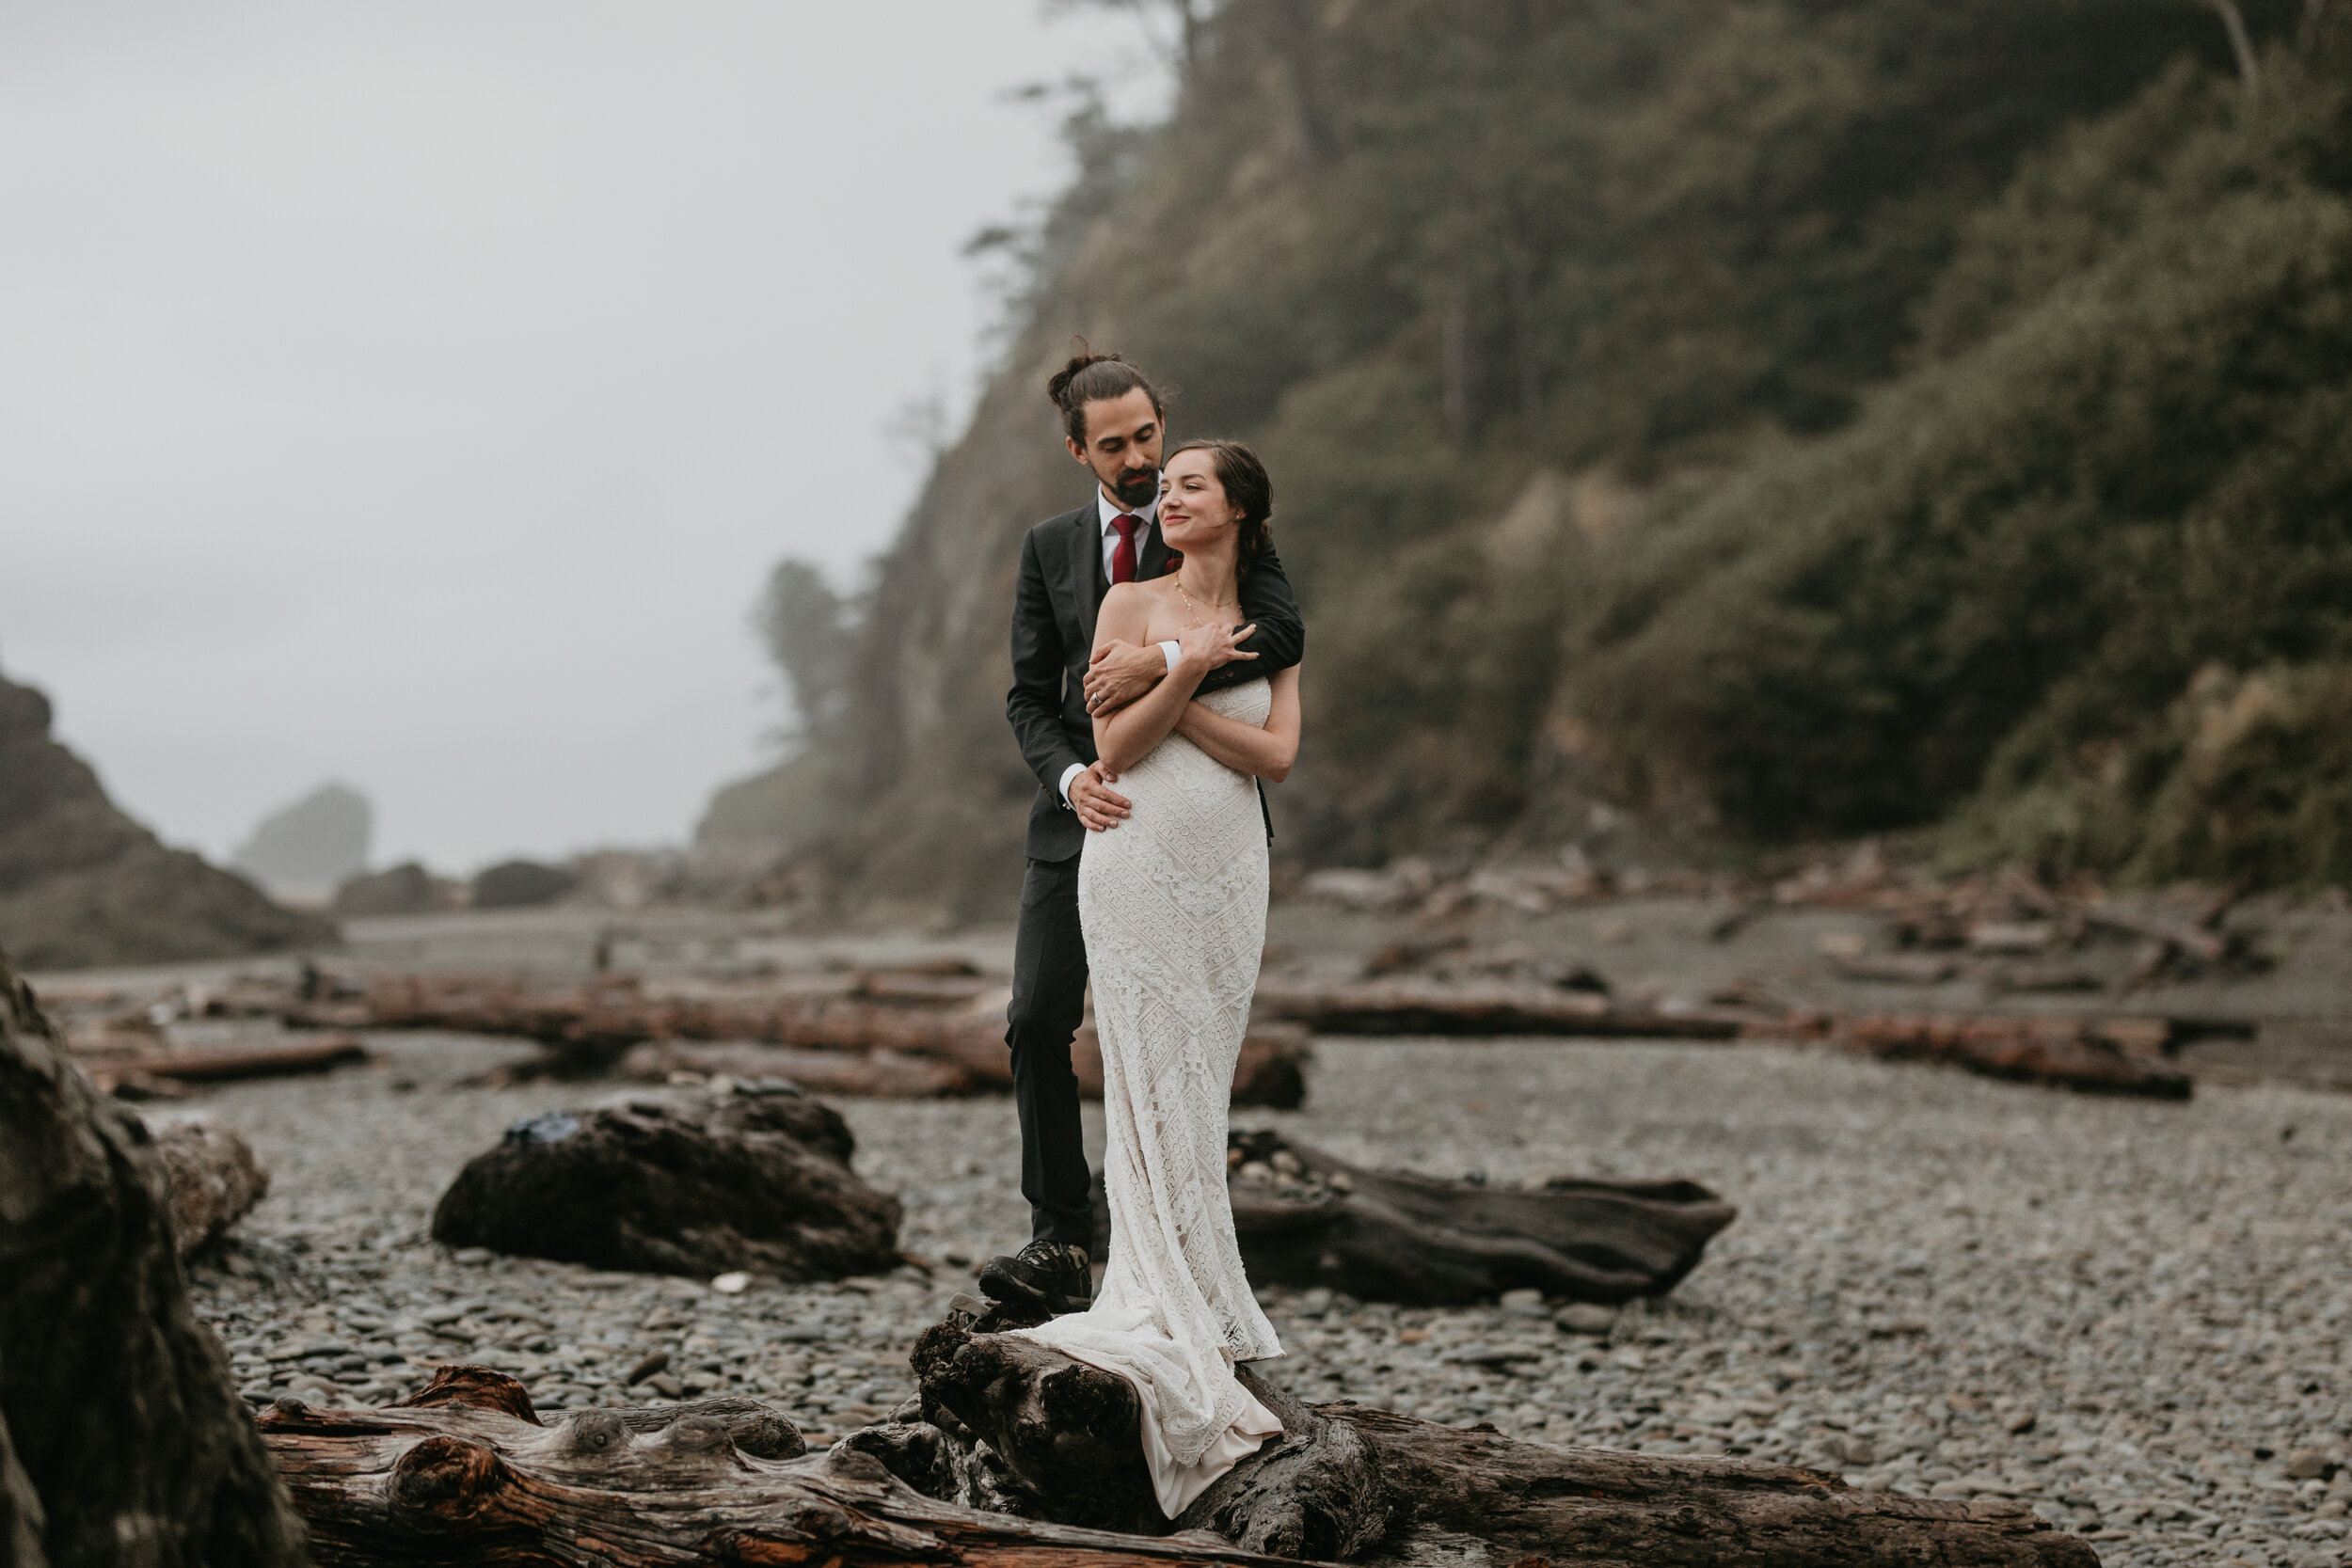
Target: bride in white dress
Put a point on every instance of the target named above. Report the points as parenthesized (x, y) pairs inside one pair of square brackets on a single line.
[(1173, 902)]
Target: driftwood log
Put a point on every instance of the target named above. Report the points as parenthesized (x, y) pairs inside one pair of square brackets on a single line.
[(587, 1029), (1346, 1481), (1409, 1006), (2062, 1053), (157, 1071), (213, 1179), (869, 1075), (678, 1181), (121, 1436), (1305, 1218), (465, 1472), (1270, 1072)]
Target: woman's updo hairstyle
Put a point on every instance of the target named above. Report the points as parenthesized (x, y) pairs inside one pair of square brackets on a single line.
[(1247, 490), (1092, 378)]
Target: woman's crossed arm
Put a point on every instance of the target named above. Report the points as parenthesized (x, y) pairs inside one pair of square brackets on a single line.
[(1127, 737), (1266, 751)]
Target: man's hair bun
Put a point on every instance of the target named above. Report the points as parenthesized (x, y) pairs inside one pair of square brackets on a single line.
[(1091, 378)]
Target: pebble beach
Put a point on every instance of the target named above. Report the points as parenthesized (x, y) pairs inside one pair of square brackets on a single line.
[(2131, 1316)]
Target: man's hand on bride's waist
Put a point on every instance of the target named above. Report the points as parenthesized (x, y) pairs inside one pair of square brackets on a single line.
[(1098, 805)]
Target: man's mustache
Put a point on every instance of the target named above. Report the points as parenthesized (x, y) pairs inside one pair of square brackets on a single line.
[(1142, 482)]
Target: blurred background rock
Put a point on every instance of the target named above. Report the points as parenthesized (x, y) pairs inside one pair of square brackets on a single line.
[(303, 851)]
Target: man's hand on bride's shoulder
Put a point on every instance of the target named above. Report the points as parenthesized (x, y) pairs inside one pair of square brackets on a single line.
[(1206, 648), (1119, 672), (1098, 805)]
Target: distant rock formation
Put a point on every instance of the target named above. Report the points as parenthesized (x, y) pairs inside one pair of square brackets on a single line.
[(81, 884), (520, 885), (405, 888), (303, 851), (792, 803)]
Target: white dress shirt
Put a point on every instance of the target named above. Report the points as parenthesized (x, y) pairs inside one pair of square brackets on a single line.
[(1107, 510)]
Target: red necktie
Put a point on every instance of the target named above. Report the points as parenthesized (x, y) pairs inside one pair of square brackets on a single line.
[(1124, 553)]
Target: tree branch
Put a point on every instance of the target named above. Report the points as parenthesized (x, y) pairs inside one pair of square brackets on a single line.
[(2249, 69)]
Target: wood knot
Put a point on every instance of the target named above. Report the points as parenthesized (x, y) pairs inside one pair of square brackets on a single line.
[(446, 1479), (594, 1431)]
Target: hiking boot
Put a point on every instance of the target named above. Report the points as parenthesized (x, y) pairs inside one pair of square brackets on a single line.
[(1052, 1276)]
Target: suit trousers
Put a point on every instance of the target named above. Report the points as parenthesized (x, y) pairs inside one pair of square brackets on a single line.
[(1049, 982)]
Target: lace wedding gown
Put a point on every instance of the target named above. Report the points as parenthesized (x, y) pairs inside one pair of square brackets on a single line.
[(1173, 901)]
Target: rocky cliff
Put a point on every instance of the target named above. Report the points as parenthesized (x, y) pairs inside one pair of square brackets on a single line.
[(81, 884), (1695, 424)]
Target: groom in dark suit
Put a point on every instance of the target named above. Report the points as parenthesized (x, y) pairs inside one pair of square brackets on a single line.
[(1113, 421)]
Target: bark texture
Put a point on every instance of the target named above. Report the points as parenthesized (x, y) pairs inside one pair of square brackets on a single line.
[(123, 1439), (466, 1473), (679, 1181), (1344, 1482)]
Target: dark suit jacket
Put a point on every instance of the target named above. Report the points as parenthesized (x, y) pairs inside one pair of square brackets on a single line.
[(1054, 604)]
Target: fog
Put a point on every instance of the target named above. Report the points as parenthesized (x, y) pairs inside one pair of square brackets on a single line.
[(414, 394)]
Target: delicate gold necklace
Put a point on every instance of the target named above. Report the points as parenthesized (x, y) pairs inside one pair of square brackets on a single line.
[(1192, 611)]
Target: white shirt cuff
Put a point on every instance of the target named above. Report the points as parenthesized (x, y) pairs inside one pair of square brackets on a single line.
[(1172, 651), (1067, 775)]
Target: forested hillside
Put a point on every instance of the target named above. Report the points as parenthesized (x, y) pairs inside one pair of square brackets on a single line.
[(1703, 424)]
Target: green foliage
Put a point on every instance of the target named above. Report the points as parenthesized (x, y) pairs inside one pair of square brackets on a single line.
[(1777, 417), (1519, 238), (2242, 778), (2131, 466), (796, 801), (803, 627)]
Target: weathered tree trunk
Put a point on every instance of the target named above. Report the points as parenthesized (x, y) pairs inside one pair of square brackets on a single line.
[(121, 1436), (466, 1473), (1344, 1480), (1438, 1007), (1305, 1217), (2064, 1053), (214, 1178), (678, 1182)]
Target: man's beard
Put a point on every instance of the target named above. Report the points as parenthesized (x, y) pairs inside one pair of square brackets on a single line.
[(1136, 489)]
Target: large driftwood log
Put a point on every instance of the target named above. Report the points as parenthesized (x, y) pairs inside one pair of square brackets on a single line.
[(1410, 1006), (1345, 1481), (2062, 1053), (112, 1070), (678, 1181), (870, 1076), (1270, 1072), (121, 1436), (214, 1181), (587, 1029), (465, 1472), (1305, 1217)]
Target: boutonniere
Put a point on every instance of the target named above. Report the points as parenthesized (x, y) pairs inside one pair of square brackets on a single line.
[(1175, 560)]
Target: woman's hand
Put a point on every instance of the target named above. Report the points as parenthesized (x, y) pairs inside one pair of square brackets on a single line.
[(1205, 648)]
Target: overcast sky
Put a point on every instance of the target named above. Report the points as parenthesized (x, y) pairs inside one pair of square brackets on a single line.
[(415, 392)]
